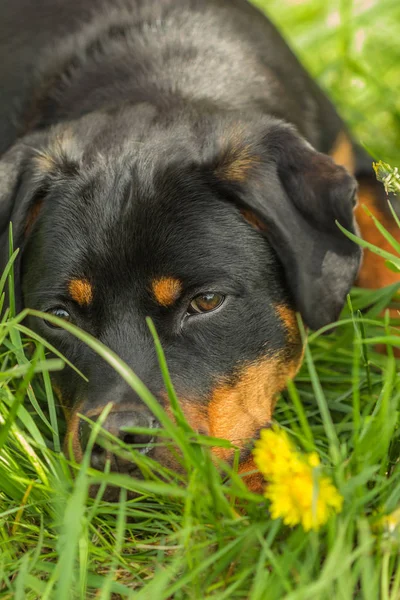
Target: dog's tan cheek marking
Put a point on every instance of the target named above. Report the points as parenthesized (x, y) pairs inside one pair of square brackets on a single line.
[(342, 152), (166, 290), (254, 481), (67, 411), (81, 291), (72, 435), (195, 413), (289, 320), (237, 411), (194, 410)]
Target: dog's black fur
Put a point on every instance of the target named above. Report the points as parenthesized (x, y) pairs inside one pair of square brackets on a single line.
[(152, 139)]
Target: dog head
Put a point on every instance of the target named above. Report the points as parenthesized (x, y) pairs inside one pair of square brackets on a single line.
[(218, 228)]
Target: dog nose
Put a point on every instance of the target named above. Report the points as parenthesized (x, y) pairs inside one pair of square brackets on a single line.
[(120, 424)]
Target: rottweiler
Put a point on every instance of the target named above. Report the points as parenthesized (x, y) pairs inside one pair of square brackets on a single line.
[(173, 159)]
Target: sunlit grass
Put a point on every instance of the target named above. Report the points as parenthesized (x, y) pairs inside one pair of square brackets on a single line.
[(202, 534), (352, 47)]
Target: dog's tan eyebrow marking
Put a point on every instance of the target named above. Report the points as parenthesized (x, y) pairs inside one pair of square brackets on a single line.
[(238, 158), (61, 153), (81, 291), (166, 290), (45, 162), (241, 162)]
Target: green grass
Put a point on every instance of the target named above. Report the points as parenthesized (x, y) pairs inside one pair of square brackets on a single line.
[(352, 47), (202, 534)]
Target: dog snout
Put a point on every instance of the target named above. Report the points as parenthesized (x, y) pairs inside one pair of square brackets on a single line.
[(122, 425)]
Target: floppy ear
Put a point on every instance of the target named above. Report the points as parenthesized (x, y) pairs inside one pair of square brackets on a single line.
[(18, 189), (298, 194), (26, 172)]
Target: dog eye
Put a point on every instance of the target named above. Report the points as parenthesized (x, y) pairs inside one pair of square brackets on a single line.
[(205, 303), (61, 313)]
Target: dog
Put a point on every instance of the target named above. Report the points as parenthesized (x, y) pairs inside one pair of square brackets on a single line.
[(173, 159)]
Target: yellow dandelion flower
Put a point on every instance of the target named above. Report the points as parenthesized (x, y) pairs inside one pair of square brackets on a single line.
[(298, 492), (273, 452)]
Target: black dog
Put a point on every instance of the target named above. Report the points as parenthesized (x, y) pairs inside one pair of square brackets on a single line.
[(169, 158)]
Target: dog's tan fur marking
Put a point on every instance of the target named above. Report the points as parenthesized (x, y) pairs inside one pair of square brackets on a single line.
[(237, 410), (374, 273), (254, 481), (342, 152), (81, 291), (166, 290), (288, 318), (72, 435), (238, 158), (253, 220), (45, 162), (32, 216), (61, 151)]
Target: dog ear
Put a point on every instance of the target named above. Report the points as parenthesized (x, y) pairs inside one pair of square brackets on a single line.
[(297, 194), (27, 171), (19, 187)]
